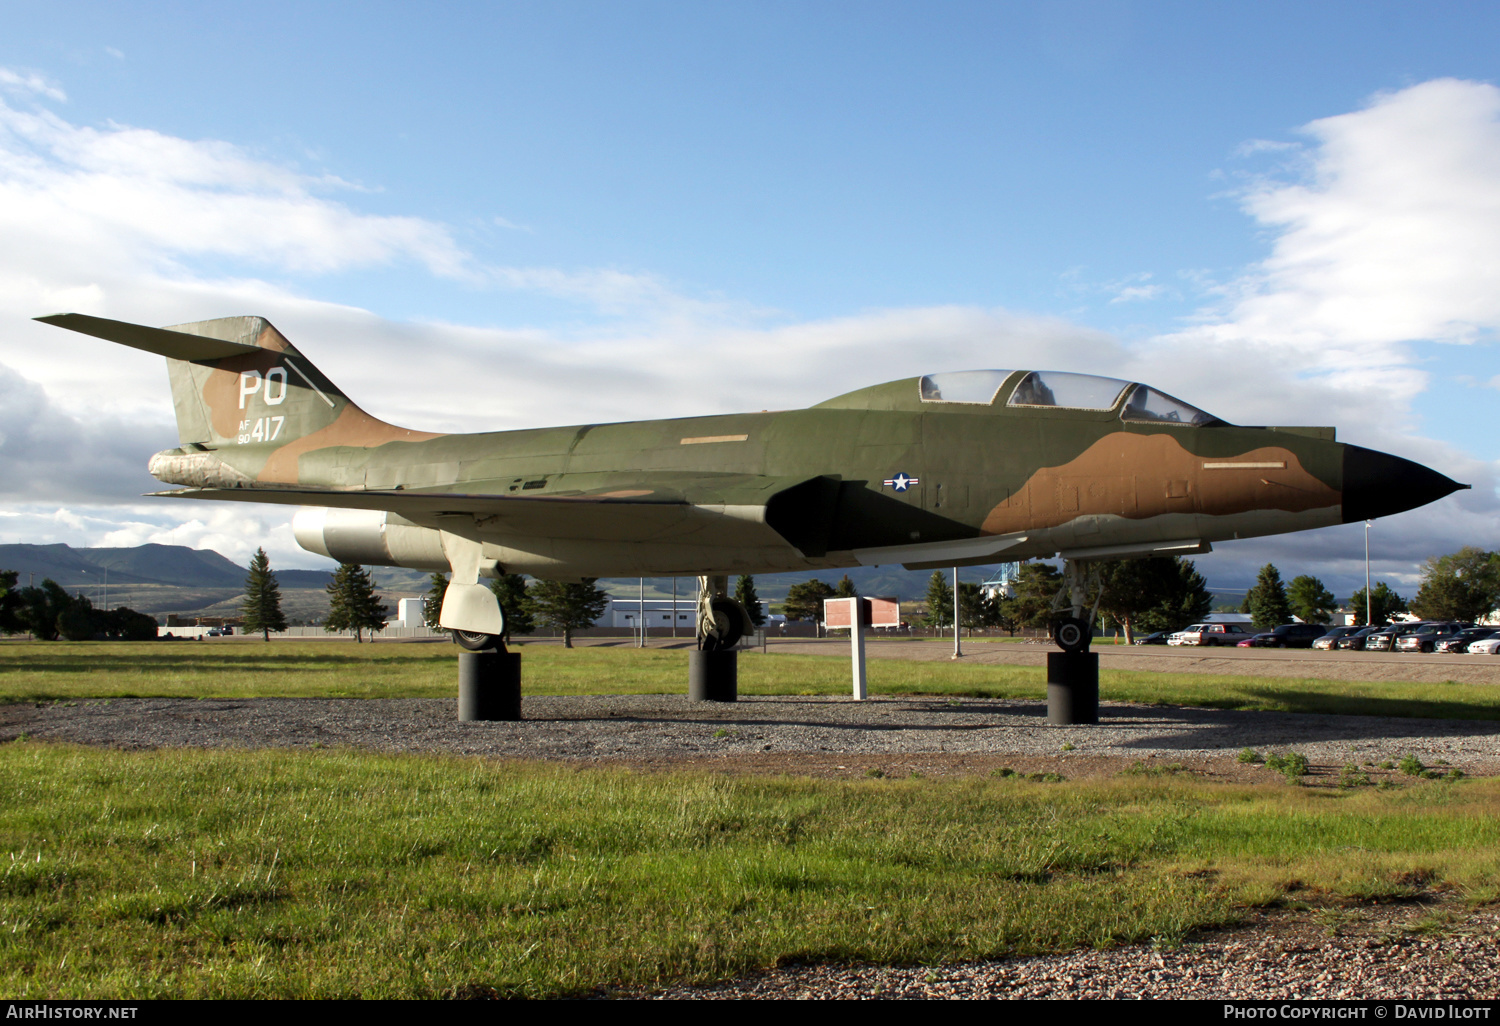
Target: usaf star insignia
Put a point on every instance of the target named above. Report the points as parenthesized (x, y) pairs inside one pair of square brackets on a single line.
[(901, 482)]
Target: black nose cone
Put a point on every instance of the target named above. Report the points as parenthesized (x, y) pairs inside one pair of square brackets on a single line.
[(1377, 484)]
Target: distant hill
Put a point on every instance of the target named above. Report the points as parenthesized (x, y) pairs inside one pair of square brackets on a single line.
[(161, 579)]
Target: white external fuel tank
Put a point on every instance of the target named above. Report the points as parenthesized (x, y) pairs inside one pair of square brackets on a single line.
[(369, 537)]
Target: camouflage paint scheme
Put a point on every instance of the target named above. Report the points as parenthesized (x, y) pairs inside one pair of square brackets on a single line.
[(743, 493)]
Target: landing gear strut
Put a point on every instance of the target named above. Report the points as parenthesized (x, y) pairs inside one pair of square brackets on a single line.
[(1073, 673), (722, 621), (1074, 632), (713, 673)]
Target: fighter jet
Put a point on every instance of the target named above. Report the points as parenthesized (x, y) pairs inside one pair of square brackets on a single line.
[(946, 469)]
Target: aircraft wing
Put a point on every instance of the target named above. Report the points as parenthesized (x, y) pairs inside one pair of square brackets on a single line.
[(639, 508)]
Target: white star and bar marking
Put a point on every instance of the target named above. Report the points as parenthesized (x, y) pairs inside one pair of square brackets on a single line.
[(901, 482)]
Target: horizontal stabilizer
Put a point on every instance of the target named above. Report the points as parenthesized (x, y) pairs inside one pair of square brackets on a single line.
[(175, 345)]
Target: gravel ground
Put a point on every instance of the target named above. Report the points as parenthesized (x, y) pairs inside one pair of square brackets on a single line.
[(816, 735), (1347, 955), (1417, 951)]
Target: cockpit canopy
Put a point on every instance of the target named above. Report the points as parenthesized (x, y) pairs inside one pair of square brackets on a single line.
[(1142, 403)]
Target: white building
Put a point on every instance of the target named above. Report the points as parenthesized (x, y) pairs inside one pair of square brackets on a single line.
[(658, 613)]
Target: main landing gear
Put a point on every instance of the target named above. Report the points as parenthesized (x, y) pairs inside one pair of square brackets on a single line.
[(1073, 673), (713, 673)]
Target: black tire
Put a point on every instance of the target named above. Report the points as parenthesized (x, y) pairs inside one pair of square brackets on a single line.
[(727, 618), (1071, 634), (473, 641)]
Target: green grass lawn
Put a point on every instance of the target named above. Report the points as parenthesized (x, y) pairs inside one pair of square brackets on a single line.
[(185, 873), (60, 671)]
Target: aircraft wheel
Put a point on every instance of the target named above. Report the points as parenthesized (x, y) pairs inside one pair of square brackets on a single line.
[(473, 641), (727, 632), (1071, 634)]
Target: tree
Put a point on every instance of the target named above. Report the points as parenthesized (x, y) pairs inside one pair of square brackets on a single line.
[(1159, 593), (1191, 600), (939, 601), (515, 603), (432, 602), (845, 588), (262, 606), (1032, 594), (78, 621), (1267, 600), (125, 624), (1384, 603), (40, 608), (568, 607), (352, 602), (975, 608), (1464, 585), (804, 601), (744, 594), (1310, 601), (10, 603)]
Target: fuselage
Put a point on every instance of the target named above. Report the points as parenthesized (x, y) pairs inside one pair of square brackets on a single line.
[(883, 475)]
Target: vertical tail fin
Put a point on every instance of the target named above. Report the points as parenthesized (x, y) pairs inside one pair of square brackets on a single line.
[(242, 392)]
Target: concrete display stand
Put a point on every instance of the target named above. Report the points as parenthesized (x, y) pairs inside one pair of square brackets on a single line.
[(1072, 688), (713, 676), (489, 685)]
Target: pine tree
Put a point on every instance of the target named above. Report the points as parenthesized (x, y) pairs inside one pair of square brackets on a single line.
[(568, 607), (352, 602), (744, 594), (515, 602), (939, 601), (262, 606), (10, 603), (432, 602), (1267, 600), (974, 609), (1310, 600), (845, 588)]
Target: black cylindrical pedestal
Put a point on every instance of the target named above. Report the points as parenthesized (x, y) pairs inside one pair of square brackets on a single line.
[(1072, 688), (489, 685), (713, 676)]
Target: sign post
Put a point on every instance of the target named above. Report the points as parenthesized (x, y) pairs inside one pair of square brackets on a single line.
[(857, 614)]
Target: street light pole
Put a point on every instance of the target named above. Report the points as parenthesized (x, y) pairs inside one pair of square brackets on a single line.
[(957, 651), (1368, 623)]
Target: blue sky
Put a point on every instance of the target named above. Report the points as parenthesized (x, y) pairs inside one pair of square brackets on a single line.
[(1277, 211)]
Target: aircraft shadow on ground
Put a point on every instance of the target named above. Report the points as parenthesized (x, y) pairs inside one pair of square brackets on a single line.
[(269, 663)]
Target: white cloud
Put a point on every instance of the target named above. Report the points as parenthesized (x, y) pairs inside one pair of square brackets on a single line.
[(1390, 236), (29, 83)]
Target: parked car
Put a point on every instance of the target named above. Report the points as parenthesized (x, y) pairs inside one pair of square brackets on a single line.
[(1288, 635), (1380, 641), (1461, 641), (1157, 638), (1425, 635), (219, 632), (1210, 634), (1328, 640), (1486, 646), (1356, 641)]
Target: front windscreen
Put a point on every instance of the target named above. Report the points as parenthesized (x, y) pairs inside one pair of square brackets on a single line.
[(1147, 405), (1072, 391), (977, 386)]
